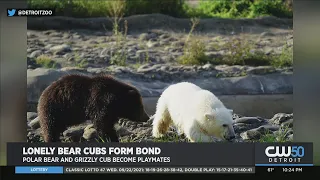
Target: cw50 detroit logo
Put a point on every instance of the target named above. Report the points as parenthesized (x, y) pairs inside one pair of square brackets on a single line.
[(284, 154)]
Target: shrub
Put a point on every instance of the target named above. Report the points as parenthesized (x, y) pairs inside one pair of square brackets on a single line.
[(95, 8), (241, 9), (194, 53), (46, 61), (194, 49)]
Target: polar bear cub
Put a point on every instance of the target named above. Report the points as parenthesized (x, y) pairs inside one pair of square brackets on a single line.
[(196, 112)]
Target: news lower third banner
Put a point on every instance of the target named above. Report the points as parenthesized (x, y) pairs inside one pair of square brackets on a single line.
[(53, 158)]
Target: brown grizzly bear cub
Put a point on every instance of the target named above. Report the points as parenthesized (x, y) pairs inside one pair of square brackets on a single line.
[(73, 99)]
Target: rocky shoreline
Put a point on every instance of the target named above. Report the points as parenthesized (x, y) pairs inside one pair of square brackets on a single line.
[(248, 129), (154, 21)]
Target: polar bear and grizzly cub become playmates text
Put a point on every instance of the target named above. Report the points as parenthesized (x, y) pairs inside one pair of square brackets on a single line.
[(196, 112)]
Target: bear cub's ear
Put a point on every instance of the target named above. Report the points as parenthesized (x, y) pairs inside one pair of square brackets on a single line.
[(209, 116), (132, 91)]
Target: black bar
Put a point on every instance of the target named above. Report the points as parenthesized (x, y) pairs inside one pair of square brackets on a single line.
[(8, 172)]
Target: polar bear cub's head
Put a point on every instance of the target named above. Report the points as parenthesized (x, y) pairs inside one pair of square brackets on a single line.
[(219, 123)]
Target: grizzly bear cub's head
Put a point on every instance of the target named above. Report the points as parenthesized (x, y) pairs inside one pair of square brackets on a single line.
[(133, 109)]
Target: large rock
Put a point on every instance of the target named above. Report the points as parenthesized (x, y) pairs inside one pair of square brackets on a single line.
[(277, 83), (39, 79)]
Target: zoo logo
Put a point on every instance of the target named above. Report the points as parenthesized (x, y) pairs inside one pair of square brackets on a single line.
[(289, 151)]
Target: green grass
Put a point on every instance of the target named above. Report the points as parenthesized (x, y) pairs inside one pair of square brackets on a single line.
[(116, 12), (136, 65), (285, 58), (270, 138), (194, 49), (175, 8), (194, 53), (240, 52), (166, 138), (280, 136), (82, 64), (46, 62), (241, 9)]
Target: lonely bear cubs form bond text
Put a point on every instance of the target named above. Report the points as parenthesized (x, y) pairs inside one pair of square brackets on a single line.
[(73, 99)]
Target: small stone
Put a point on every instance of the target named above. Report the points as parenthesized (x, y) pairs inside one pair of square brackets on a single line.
[(88, 127), (268, 51), (61, 49), (31, 116), (177, 44), (145, 123), (249, 120), (290, 131), (67, 56), (93, 42), (129, 123), (35, 123), (269, 127), (261, 70), (74, 132), (48, 46), (35, 54), (123, 131), (255, 134), (280, 118), (125, 139), (90, 134), (251, 135), (147, 36), (144, 132), (288, 123), (31, 35), (241, 127), (164, 36), (152, 44), (71, 59), (34, 136), (207, 66), (164, 68), (144, 69), (56, 34), (265, 34)]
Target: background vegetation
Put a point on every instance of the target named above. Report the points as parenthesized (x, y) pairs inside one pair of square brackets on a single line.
[(175, 8)]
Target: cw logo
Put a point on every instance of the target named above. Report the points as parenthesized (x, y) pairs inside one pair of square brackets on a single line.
[(285, 151)]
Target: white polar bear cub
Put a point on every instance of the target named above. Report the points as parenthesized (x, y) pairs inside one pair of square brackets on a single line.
[(196, 112)]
